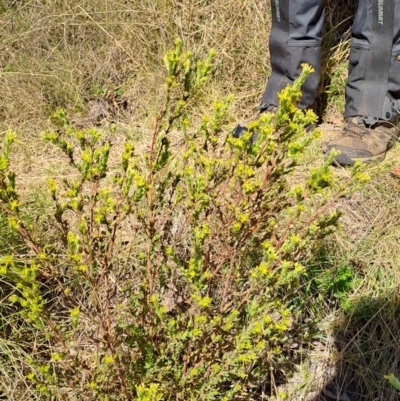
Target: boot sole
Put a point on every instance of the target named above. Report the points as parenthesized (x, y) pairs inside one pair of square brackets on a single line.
[(345, 160)]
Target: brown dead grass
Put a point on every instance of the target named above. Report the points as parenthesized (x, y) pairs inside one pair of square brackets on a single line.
[(66, 53)]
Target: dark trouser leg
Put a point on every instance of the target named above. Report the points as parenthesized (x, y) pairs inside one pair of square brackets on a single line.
[(394, 74), (295, 39), (373, 86)]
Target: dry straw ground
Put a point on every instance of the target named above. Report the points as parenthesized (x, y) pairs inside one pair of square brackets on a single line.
[(102, 61)]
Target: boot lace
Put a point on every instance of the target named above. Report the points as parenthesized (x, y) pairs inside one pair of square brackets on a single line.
[(355, 130)]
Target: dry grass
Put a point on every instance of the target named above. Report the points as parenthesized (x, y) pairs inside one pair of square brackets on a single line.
[(335, 49), (66, 53), (357, 341), (102, 61), (367, 333)]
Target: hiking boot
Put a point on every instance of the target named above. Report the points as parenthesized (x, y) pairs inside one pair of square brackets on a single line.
[(240, 129), (359, 142)]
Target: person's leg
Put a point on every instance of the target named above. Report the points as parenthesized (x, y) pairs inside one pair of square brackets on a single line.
[(374, 70), (373, 87), (295, 38), (394, 74)]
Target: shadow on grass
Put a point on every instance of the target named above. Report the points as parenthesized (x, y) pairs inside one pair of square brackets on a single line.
[(353, 312), (367, 342)]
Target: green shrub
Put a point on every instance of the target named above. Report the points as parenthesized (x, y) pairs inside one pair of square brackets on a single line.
[(171, 275)]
